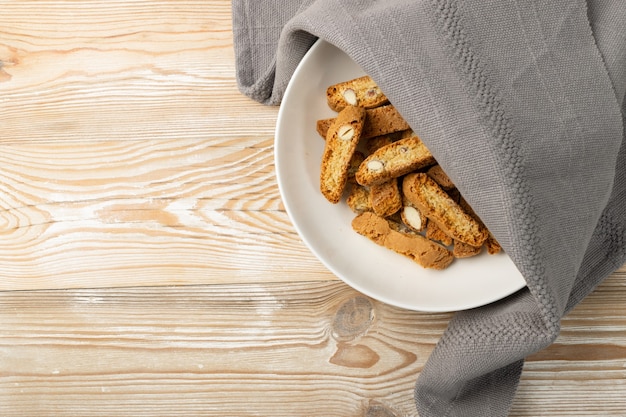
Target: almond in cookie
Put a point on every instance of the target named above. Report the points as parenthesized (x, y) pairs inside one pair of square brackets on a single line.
[(412, 217)]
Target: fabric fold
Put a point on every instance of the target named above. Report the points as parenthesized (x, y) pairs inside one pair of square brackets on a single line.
[(522, 105)]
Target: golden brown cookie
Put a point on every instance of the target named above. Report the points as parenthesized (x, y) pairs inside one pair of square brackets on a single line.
[(463, 250), (323, 125), (396, 159), (425, 252), (492, 245), (434, 232), (436, 172), (355, 162), (359, 199), (379, 121), (385, 198), (432, 200), (377, 142), (341, 142), (362, 92)]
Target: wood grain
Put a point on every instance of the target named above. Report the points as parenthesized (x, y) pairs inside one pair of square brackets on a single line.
[(127, 159), (308, 348), (132, 213)]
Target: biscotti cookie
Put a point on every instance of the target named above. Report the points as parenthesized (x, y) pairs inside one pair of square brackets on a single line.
[(355, 162), (359, 199), (434, 232), (492, 245), (323, 125), (377, 142), (432, 200), (413, 245), (379, 121), (394, 160), (385, 198), (341, 142), (463, 250), (362, 92), (383, 120), (437, 173)]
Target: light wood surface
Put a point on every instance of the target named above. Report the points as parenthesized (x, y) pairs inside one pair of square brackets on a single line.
[(147, 265)]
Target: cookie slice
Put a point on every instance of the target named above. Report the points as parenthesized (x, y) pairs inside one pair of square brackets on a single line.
[(362, 92), (391, 161), (492, 245), (359, 199), (463, 250), (379, 121), (437, 173), (385, 198), (413, 245), (436, 204), (341, 142)]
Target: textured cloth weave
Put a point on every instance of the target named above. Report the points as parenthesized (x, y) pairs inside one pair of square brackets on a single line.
[(522, 104)]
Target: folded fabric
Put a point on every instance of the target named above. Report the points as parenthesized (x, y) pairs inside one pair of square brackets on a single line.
[(522, 104)]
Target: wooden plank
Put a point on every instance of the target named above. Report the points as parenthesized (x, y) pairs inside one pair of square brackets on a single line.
[(94, 71), (228, 350), (117, 213), (126, 157), (280, 349)]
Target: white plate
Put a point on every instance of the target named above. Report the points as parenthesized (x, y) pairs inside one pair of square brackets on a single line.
[(326, 228)]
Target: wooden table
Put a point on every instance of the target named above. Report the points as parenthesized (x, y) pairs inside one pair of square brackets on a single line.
[(147, 265)]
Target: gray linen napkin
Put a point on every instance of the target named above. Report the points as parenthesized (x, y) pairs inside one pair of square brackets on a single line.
[(522, 104)]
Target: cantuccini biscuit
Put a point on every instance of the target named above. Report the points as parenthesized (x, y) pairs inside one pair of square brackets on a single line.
[(492, 245), (359, 199), (437, 173), (425, 252), (385, 198), (323, 125), (377, 142), (362, 92), (379, 121), (463, 250), (341, 142), (429, 197), (391, 161), (355, 162), (434, 232)]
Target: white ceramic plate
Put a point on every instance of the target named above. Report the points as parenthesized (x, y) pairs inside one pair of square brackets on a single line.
[(326, 228)]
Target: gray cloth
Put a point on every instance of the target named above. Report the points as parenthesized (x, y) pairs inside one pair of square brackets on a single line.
[(522, 104)]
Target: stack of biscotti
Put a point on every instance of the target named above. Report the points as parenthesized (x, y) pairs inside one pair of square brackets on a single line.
[(402, 198)]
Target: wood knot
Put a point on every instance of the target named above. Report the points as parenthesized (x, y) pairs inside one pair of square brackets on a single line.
[(353, 318), (354, 356), (8, 58)]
